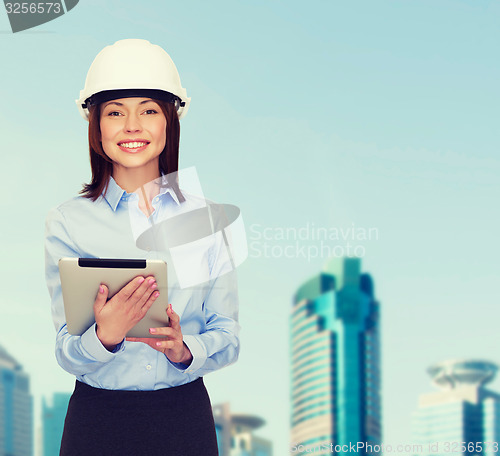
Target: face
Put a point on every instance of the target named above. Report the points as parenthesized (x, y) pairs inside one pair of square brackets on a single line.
[(133, 133)]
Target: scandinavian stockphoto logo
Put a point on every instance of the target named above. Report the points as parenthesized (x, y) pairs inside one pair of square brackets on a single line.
[(26, 15), (193, 233)]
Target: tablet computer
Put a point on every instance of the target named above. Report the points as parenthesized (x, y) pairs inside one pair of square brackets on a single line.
[(80, 280)]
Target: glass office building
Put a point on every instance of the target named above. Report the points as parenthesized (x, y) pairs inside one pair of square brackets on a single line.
[(53, 415), (16, 408), (463, 418), (236, 433), (335, 361)]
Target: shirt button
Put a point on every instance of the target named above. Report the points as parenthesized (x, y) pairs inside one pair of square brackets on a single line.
[(148, 367)]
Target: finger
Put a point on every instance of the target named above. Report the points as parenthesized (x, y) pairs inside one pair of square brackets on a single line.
[(152, 298), (100, 301), (129, 289), (145, 301), (173, 318), (142, 311), (164, 331), (142, 293), (165, 344)]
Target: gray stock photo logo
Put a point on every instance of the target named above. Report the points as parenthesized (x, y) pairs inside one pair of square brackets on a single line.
[(26, 15)]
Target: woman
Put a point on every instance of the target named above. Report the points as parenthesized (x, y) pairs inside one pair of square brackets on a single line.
[(137, 396)]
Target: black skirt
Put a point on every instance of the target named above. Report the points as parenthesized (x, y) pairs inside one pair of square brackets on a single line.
[(174, 421)]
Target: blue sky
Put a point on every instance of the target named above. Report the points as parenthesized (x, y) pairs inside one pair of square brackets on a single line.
[(378, 114)]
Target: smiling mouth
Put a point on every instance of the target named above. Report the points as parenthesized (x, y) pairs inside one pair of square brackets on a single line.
[(133, 144)]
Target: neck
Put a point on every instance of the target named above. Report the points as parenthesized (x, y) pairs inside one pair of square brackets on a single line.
[(144, 181), (131, 180)]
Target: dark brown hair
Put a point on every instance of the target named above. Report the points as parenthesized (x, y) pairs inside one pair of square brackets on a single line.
[(101, 164)]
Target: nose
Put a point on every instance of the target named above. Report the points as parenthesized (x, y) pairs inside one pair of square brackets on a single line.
[(132, 123)]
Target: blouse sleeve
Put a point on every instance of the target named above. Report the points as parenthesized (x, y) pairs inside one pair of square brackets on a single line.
[(78, 355)]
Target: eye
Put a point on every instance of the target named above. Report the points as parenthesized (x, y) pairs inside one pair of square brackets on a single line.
[(151, 111), (113, 114)]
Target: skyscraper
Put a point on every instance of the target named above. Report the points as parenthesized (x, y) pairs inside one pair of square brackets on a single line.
[(463, 417), (335, 351), (235, 434), (53, 416), (16, 408)]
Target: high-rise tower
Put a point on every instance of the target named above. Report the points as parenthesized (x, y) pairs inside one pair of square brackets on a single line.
[(463, 417), (53, 416), (236, 433), (16, 408), (335, 350)]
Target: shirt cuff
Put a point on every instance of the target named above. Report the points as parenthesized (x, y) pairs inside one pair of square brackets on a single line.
[(198, 352), (93, 346)]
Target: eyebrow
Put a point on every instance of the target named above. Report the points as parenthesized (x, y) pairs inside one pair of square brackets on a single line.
[(121, 104)]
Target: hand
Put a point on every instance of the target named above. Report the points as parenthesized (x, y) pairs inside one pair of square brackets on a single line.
[(116, 317), (172, 346)]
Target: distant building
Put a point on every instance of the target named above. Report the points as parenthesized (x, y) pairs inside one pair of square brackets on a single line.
[(16, 408), (53, 415), (335, 349), (235, 434), (464, 413)]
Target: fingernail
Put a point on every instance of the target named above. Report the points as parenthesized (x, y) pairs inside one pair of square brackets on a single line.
[(170, 305), (152, 330), (141, 279), (156, 294), (101, 289), (153, 286), (158, 344), (151, 281)]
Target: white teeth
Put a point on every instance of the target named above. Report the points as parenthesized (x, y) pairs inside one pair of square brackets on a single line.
[(133, 145)]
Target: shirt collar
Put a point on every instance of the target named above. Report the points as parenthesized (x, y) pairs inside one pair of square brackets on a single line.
[(114, 193)]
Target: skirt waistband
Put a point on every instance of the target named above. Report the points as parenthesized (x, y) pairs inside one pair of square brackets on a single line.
[(83, 390)]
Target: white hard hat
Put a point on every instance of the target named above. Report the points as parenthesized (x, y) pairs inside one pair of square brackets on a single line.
[(133, 68)]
